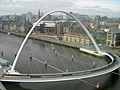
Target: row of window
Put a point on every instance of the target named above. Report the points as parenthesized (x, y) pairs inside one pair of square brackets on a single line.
[(83, 41)]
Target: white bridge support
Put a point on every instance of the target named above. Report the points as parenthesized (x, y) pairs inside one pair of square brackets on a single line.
[(12, 71)]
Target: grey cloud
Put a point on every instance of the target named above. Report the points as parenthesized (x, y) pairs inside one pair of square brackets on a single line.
[(97, 10), (32, 5), (23, 6)]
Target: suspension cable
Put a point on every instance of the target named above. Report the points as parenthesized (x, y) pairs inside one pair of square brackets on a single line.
[(70, 58), (61, 56), (48, 65), (87, 83), (116, 73)]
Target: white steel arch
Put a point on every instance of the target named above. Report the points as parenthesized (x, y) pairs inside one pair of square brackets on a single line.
[(12, 71)]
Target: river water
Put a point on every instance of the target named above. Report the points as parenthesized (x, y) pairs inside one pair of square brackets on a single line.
[(42, 50)]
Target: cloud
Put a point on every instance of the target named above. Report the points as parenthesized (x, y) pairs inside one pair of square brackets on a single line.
[(96, 7), (33, 5), (81, 6), (108, 4), (83, 3), (97, 10), (15, 0)]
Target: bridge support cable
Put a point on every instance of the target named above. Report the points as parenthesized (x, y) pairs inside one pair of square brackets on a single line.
[(83, 63), (88, 83), (65, 56), (70, 57), (52, 59), (116, 73), (62, 56), (48, 65)]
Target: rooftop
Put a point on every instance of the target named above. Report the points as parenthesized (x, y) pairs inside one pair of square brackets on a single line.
[(114, 31)]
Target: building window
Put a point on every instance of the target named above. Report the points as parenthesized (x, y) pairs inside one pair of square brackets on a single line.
[(66, 39), (108, 42)]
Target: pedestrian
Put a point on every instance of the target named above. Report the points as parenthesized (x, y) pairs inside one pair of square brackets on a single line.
[(15, 54), (98, 86), (56, 52), (31, 58), (52, 46), (2, 53), (66, 70), (72, 57), (45, 64), (94, 64), (43, 45)]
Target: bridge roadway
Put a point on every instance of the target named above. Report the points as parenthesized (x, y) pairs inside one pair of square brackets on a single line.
[(113, 65)]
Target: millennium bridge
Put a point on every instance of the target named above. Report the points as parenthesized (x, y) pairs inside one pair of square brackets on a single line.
[(11, 75)]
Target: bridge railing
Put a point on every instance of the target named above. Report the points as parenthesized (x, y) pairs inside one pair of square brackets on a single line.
[(77, 73)]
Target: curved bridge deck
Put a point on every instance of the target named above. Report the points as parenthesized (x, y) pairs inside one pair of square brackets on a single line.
[(64, 76)]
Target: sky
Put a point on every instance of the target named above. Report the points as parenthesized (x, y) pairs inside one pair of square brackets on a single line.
[(90, 7)]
